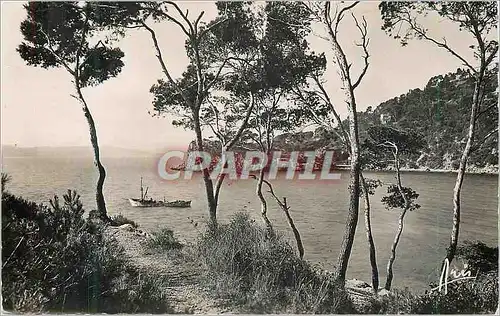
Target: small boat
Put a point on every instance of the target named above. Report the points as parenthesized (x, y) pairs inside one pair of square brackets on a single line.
[(144, 202)]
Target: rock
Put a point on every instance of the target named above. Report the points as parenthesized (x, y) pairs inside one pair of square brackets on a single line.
[(126, 227), (142, 233), (384, 292), (355, 283)]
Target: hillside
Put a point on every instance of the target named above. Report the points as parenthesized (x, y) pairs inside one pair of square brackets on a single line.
[(440, 113)]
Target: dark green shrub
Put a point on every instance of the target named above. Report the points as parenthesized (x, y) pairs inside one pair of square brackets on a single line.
[(463, 297), (5, 179), (56, 260), (479, 256), (118, 220), (163, 239), (260, 272)]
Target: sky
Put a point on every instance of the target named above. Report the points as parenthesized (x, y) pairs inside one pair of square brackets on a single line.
[(37, 109)]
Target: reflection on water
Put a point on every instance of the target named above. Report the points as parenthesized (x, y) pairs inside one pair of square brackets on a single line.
[(318, 207)]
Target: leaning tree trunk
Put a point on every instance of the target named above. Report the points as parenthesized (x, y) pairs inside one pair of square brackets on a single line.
[(220, 179), (101, 204), (369, 236), (450, 253), (352, 216), (226, 147), (263, 202), (390, 275), (296, 234), (209, 187), (406, 207)]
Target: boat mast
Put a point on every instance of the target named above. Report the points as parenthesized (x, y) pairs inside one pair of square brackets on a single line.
[(142, 191)]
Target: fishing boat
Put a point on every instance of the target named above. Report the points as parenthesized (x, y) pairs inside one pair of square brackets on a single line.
[(145, 202)]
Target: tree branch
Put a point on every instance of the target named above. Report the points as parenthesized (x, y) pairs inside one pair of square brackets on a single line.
[(340, 15), (216, 114), (202, 34), (80, 48), (243, 124), (184, 16), (217, 74), (334, 111), (286, 209), (365, 41), (481, 143), (164, 66), (492, 106), (444, 45), (51, 50), (198, 20), (490, 58)]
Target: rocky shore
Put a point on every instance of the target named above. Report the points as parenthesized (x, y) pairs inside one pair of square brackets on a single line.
[(487, 170)]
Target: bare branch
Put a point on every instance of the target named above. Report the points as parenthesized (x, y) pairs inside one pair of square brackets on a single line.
[(198, 20), (211, 83), (286, 209), (171, 18), (421, 32), (340, 15), (482, 141), (59, 58), (164, 66), (365, 42), (334, 111), (388, 144), (184, 16)]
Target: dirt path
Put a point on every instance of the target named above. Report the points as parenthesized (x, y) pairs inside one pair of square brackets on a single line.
[(183, 290)]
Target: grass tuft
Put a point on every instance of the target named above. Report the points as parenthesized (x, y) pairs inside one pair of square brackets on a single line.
[(259, 271), (163, 240)]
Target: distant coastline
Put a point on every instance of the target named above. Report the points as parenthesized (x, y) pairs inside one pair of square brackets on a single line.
[(488, 170)]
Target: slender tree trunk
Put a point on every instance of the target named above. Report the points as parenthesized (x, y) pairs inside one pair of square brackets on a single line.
[(390, 275), (295, 231), (226, 147), (286, 209), (351, 224), (450, 253), (369, 236), (352, 216), (220, 179), (395, 243), (263, 202), (101, 204), (209, 187)]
